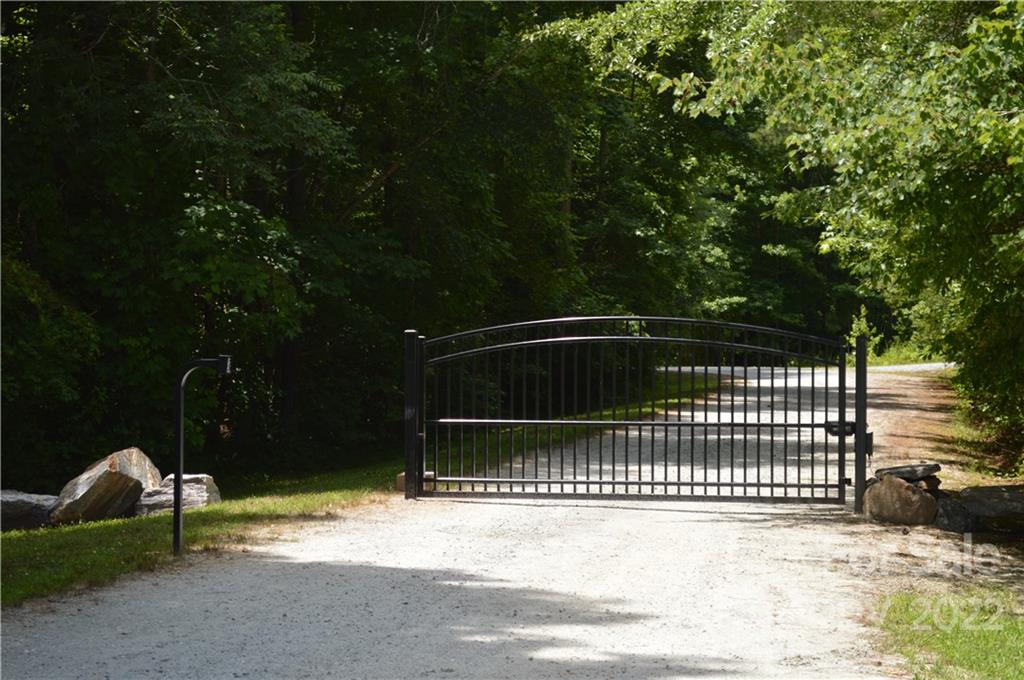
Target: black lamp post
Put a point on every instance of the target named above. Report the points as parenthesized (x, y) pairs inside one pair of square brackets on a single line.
[(223, 366)]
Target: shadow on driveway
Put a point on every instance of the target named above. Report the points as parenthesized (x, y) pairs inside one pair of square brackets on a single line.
[(267, 617)]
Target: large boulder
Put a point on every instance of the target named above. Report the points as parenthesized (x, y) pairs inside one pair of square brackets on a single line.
[(19, 510), (108, 488), (196, 491), (997, 508), (910, 473), (894, 500), (952, 515)]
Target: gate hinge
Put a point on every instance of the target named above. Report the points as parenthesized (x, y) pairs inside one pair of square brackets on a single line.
[(832, 427), (847, 481)]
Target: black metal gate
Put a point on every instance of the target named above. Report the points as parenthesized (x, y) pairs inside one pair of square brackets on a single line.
[(640, 407)]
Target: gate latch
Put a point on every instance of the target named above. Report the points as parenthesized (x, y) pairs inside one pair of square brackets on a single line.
[(832, 427)]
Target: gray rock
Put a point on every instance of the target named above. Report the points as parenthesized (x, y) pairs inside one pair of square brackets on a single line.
[(108, 488), (197, 491), (19, 510), (952, 515), (997, 508), (910, 473), (894, 500)]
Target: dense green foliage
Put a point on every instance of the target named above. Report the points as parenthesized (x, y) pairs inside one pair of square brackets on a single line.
[(913, 123), (297, 183), (902, 126)]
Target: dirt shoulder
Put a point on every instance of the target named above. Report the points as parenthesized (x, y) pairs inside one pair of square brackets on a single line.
[(912, 413)]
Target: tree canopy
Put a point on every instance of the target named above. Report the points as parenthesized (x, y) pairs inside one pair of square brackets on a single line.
[(297, 183)]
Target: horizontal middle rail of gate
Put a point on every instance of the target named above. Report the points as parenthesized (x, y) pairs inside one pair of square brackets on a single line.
[(627, 423)]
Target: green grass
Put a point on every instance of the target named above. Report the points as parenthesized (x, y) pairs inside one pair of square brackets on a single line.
[(45, 561), (896, 354), (973, 633), (991, 459), (901, 353)]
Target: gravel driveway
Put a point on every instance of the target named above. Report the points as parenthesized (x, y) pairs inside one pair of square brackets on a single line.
[(501, 588), (438, 588)]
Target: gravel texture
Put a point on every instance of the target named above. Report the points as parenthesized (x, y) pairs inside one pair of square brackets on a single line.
[(505, 588), (438, 588)]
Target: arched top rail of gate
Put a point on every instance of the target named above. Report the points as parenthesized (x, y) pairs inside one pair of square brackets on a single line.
[(721, 335)]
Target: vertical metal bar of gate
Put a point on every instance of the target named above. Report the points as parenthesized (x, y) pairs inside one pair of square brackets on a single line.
[(412, 418), (860, 425), (841, 444)]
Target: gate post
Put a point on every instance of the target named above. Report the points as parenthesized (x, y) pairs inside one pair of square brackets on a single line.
[(412, 415), (860, 437), (421, 412)]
